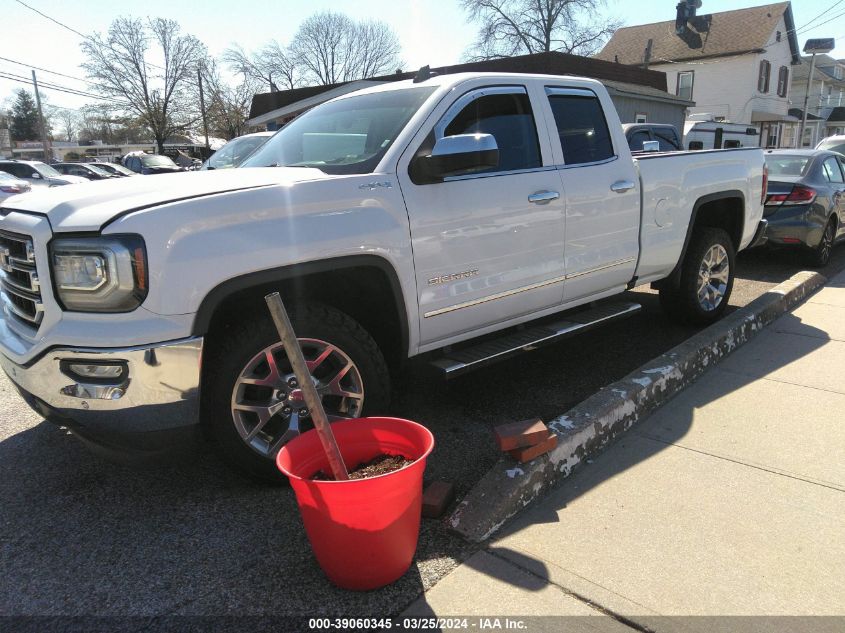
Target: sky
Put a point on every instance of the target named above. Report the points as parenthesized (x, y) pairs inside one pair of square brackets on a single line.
[(432, 32)]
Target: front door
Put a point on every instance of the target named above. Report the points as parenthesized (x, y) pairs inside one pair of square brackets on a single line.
[(488, 247)]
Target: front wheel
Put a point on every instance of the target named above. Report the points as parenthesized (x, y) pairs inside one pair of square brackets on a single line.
[(254, 403), (707, 277)]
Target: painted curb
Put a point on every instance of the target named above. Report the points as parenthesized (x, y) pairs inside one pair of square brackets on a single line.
[(587, 428)]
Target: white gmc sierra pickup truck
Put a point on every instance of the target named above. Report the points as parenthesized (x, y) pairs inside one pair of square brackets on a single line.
[(398, 220)]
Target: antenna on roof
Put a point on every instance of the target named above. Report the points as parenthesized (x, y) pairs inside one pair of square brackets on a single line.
[(424, 73)]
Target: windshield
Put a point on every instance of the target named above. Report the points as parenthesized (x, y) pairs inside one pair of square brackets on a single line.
[(45, 170), (347, 136), (235, 152), (787, 164), (98, 170), (157, 161)]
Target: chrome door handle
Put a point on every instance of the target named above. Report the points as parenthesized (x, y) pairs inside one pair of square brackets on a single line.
[(621, 186), (543, 197)]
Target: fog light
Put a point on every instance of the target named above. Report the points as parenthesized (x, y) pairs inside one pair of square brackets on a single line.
[(94, 372), (97, 371)]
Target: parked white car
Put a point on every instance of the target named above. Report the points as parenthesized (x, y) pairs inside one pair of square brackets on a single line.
[(236, 151), (396, 220), (834, 143), (38, 174)]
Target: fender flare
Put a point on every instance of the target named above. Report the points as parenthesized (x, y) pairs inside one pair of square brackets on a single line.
[(673, 279), (217, 295)]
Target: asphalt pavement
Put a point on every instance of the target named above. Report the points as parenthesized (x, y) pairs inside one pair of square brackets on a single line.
[(83, 536)]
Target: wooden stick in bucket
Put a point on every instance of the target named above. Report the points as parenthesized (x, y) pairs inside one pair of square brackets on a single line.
[(309, 391)]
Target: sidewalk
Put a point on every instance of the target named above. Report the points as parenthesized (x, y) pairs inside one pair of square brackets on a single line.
[(728, 501)]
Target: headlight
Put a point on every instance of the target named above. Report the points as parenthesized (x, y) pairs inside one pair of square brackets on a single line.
[(100, 274)]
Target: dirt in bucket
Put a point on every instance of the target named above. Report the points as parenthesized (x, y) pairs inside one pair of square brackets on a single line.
[(378, 465)]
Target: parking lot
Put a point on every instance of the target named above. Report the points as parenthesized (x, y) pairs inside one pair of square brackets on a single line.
[(85, 536)]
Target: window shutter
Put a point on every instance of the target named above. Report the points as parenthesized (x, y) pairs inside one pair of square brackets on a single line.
[(763, 79)]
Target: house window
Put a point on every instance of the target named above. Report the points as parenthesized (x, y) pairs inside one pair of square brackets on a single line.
[(684, 87), (837, 72), (641, 117), (783, 81), (777, 36), (763, 77)]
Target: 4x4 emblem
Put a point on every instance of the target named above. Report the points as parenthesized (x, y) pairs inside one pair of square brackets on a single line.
[(4, 259)]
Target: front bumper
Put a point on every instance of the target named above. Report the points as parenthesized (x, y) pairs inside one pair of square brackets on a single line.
[(155, 397)]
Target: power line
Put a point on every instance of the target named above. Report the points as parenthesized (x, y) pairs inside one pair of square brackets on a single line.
[(44, 15), (825, 12), (54, 72), (50, 86)]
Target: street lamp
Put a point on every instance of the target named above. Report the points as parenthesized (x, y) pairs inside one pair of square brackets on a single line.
[(822, 46)]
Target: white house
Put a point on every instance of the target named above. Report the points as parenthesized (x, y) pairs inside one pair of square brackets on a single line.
[(826, 101), (736, 65)]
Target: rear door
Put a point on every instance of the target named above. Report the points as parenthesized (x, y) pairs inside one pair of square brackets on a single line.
[(602, 193), (488, 247)]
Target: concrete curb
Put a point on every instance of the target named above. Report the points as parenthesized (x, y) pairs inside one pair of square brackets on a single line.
[(590, 426)]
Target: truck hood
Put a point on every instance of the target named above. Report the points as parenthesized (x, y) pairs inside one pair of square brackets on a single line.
[(90, 205)]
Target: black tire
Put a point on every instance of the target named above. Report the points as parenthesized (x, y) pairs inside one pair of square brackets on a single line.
[(820, 255), (683, 303), (240, 345)]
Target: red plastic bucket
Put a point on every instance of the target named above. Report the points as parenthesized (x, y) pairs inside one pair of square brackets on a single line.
[(363, 531)]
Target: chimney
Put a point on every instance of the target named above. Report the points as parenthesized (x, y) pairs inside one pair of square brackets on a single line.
[(685, 10)]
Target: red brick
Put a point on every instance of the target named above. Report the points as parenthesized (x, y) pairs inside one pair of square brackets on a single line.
[(520, 434), (436, 497), (528, 453)]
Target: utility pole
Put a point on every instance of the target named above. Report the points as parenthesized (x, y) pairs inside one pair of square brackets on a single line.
[(48, 153), (202, 107), (821, 46)]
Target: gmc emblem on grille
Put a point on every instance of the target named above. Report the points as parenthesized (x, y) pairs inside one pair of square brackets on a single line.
[(4, 259)]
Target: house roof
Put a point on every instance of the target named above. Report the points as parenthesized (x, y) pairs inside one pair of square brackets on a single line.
[(552, 63), (798, 113), (721, 34), (837, 114)]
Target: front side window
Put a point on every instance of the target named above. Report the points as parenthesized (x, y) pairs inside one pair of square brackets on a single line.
[(508, 118), (347, 136), (763, 76), (583, 132), (684, 87), (635, 142), (831, 170), (668, 139)]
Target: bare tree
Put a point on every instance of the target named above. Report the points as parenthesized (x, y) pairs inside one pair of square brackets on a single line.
[(158, 94), (227, 105), (521, 27), (272, 65), (69, 123), (331, 47)]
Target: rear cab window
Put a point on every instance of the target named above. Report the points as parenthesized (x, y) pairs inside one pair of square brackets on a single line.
[(581, 125)]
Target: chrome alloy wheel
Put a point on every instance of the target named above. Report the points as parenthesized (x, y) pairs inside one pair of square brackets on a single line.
[(713, 276), (268, 408)]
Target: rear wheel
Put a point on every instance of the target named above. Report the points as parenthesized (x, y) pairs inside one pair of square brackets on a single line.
[(820, 255), (254, 403), (706, 282)]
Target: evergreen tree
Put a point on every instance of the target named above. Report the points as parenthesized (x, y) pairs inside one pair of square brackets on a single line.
[(24, 117)]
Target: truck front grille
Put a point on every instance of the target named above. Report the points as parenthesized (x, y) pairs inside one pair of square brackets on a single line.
[(20, 290)]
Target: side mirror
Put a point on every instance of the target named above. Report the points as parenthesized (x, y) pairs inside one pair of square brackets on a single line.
[(651, 146), (36, 175), (459, 155)]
